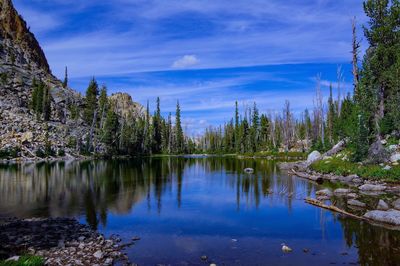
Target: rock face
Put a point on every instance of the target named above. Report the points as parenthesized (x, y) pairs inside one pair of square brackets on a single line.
[(313, 157), (22, 61), (125, 107), (391, 217), (14, 28)]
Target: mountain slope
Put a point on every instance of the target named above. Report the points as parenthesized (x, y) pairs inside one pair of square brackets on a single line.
[(23, 63)]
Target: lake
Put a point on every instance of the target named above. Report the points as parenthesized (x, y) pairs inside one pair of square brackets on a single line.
[(183, 208)]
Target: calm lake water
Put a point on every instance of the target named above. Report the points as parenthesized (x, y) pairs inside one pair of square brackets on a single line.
[(184, 208)]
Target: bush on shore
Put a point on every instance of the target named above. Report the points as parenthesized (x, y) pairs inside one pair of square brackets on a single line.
[(344, 168)]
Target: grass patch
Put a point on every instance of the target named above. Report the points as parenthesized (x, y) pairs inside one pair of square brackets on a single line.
[(25, 261), (344, 168), (277, 154)]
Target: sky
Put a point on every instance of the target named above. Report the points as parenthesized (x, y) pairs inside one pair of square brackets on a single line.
[(205, 53)]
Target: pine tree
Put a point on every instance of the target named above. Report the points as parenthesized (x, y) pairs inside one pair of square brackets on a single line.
[(103, 105), (91, 101), (264, 131), (33, 102), (331, 116), (178, 131), (46, 103), (157, 126), (378, 91), (237, 128), (65, 82), (110, 131), (254, 131)]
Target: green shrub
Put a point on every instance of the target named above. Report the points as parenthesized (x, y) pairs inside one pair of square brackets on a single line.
[(3, 78), (10, 153), (71, 142), (40, 153), (61, 152), (25, 261), (344, 168)]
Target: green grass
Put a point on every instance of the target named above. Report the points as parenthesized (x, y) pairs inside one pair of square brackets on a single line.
[(344, 168), (276, 154), (25, 261)]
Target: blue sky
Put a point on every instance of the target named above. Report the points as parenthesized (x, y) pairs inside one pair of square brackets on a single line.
[(205, 53)]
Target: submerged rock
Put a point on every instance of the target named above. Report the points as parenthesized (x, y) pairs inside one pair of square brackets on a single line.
[(249, 170), (389, 217)]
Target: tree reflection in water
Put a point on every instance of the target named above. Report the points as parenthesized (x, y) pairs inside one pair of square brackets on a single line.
[(94, 189)]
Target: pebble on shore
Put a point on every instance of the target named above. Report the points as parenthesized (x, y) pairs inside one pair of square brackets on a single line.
[(60, 241)]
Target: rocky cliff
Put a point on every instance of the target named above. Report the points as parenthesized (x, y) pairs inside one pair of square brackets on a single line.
[(22, 61)]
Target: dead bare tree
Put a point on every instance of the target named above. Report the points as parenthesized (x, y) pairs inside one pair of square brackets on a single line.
[(339, 74), (319, 110)]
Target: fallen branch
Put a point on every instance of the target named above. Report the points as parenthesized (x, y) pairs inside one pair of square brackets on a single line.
[(332, 208), (29, 151)]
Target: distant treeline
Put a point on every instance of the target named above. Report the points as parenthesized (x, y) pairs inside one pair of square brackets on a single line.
[(364, 117)]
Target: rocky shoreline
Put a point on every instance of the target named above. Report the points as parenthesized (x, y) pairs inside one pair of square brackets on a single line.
[(374, 201), (60, 241)]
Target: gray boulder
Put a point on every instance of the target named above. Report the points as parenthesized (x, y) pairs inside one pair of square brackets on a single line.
[(389, 217), (395, 157), (324, 192), (356, 203), (313, 157), (396, 204), (370, 187), (377, 153), (382, 205), (342, 191)]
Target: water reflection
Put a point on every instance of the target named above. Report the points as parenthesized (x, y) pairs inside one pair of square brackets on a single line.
[(98, 187), (97, 190)]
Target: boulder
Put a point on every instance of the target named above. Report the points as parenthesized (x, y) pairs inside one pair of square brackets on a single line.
[(377, 153), (395, 157), (313, 157), (392, 148), (387, 168), (324, 192), (396, 204), (382, 205), (342, 191), (352, 195), (249, 170), (391, 217), (98, 254), (370, 187), (357, 203)]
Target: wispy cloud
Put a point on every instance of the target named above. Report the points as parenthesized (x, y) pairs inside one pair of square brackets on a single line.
[(196, 51), (185, 62)]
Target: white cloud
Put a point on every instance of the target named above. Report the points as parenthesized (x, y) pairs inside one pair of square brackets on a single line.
[(185, 62)]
